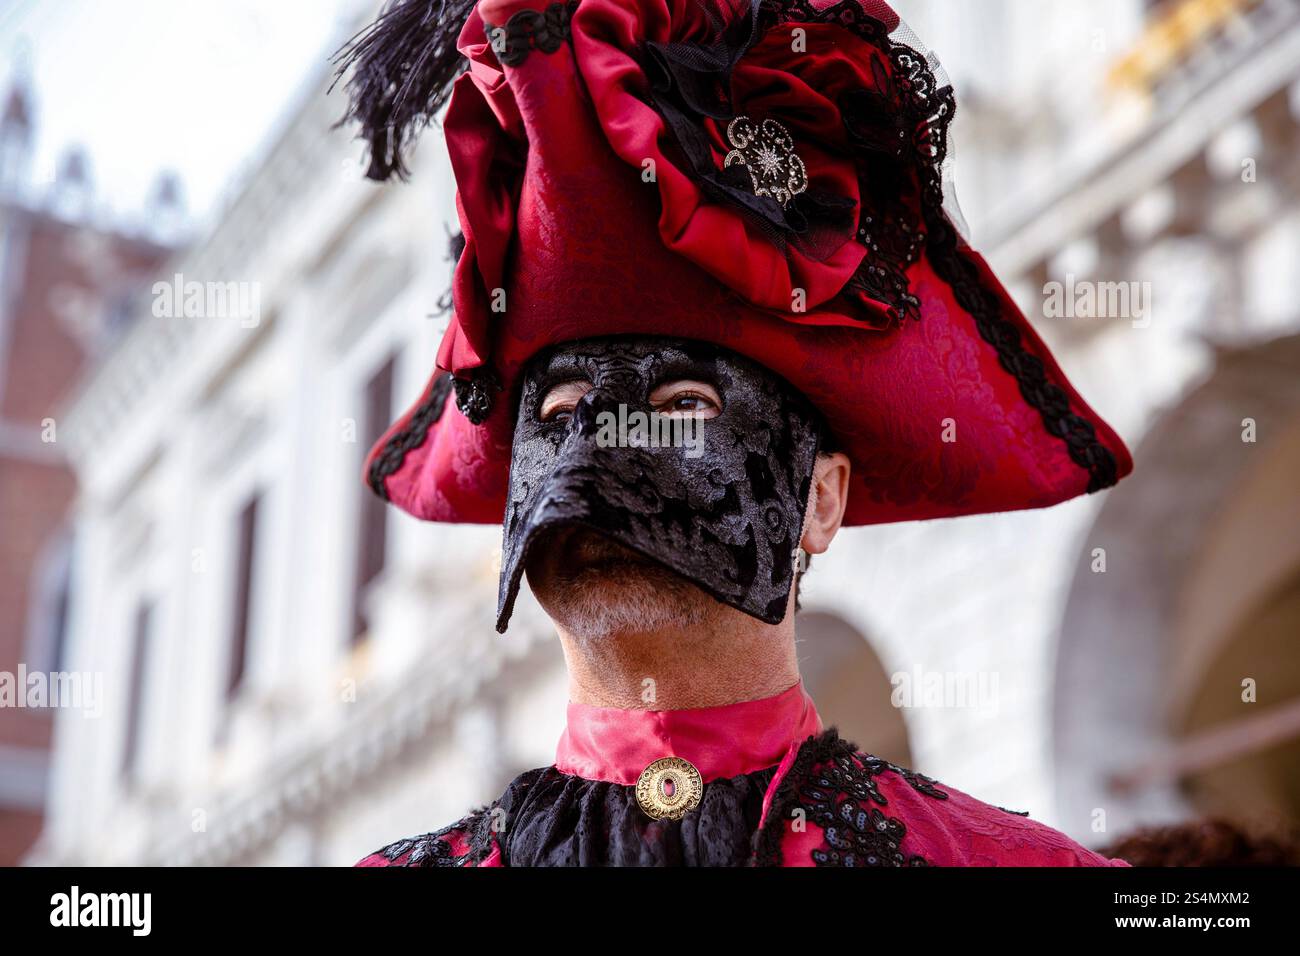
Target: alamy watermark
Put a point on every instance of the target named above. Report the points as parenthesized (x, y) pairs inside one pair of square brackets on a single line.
[(181, 299), (133, 911), (638, 429), (967, 690), (75, 690), (1088, 299)]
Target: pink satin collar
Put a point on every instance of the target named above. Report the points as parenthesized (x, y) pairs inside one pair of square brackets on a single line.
[(606, 743)]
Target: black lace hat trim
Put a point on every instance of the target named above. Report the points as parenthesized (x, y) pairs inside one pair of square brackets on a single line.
[(900, 128), (1041, 393), (475, 397), (542, 30), (409, 436), (930, 110)]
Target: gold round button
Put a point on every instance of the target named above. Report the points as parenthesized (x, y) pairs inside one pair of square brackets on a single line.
[(669, 788)]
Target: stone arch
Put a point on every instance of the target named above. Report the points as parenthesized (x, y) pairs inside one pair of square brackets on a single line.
[(1202, 550), (850, 686)]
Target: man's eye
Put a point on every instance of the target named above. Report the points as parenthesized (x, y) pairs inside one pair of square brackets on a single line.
[(561, 414), (561, 400), (688, 403)]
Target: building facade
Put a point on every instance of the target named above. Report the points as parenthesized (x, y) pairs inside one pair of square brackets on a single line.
[(62, 271), (293, 674)]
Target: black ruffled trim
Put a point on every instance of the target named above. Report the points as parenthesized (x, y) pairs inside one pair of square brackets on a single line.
[(767, 842), (410, 436), (896, 132), (556, 819)]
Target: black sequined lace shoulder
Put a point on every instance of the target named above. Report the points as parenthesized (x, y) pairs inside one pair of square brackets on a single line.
[(428, 849), (833, 785)]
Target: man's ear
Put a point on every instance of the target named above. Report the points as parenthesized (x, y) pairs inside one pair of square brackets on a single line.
[(826, 502)]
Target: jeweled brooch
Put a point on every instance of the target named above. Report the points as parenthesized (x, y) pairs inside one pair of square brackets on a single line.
[(669, 788), (766, 150)]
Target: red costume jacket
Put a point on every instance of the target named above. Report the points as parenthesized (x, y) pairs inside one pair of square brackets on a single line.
[(778, 790)]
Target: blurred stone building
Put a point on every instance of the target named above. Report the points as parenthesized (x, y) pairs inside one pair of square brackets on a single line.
[(294, 674), (62, 271)]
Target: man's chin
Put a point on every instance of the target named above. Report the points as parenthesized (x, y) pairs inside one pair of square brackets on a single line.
[(594, 587)]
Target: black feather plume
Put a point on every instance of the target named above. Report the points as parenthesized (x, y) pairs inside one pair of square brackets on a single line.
[(402, 67)]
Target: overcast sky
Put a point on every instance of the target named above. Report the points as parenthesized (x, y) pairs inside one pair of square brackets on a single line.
[(191, 85)]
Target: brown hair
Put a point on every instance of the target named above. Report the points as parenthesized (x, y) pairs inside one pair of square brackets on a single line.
[(1207, 842)]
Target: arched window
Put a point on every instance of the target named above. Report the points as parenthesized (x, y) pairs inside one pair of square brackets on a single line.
[(850, 687)]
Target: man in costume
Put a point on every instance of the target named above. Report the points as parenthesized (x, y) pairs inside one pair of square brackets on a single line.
[(725, 217)]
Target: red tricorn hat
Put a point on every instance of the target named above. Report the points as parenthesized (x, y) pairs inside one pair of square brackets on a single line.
[(764, 176)]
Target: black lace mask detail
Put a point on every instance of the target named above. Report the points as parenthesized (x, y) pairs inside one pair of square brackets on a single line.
[(527, 30), (722, 507)]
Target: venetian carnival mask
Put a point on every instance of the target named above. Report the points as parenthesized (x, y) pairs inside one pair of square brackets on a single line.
[(720, 500)]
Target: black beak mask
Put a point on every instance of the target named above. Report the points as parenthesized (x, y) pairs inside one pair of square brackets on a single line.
[(720, 501)]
